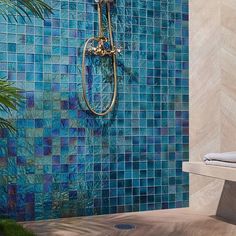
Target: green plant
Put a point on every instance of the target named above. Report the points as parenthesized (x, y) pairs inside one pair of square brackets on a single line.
[(11, 228), (10, 96), (23, 7)]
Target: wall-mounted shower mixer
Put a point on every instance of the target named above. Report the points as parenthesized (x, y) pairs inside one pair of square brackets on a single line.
[(101, 50)]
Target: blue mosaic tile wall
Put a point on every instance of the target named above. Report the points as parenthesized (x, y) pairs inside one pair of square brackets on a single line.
[(65, 162)]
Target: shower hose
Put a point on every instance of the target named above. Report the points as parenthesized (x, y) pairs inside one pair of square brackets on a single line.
[(111, 52)]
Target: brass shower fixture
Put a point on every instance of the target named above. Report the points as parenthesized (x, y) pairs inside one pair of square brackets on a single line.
[(101, 50)]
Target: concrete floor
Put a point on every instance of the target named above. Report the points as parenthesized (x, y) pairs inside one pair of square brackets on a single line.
[(176, 222)]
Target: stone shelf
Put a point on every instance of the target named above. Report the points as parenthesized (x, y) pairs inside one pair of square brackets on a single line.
[(200, 168)]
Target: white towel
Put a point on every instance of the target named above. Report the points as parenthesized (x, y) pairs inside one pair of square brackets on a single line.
[(221, 163), (222, 157)]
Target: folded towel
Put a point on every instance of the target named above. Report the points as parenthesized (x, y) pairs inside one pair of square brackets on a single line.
[(221, 163), (223, 157)]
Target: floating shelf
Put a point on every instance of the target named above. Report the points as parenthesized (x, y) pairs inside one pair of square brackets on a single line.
[(200, 168)]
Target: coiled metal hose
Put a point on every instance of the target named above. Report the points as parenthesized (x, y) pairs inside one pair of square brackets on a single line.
[(112, 52)]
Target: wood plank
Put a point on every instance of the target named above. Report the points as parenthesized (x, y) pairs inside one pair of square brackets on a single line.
[(176, 222)]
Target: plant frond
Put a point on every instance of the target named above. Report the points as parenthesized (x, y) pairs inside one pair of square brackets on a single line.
[(6, 124), (22, 7), (10, 96), (10, 99)]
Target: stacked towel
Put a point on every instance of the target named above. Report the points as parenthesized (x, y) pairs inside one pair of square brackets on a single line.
[(226, 159)]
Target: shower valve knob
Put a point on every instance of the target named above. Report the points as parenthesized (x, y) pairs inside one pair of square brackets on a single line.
[(118, 50), (91, 50)]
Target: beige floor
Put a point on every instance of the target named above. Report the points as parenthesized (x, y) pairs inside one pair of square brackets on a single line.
[(178, 222)]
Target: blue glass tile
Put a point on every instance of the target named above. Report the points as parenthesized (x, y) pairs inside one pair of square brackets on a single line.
[(63, 161)]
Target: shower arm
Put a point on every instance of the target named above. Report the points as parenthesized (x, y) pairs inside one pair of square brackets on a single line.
[(101, 51)]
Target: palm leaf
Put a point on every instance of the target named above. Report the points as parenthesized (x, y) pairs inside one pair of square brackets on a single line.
[(10, 99), (22, 7), (6, 124)]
